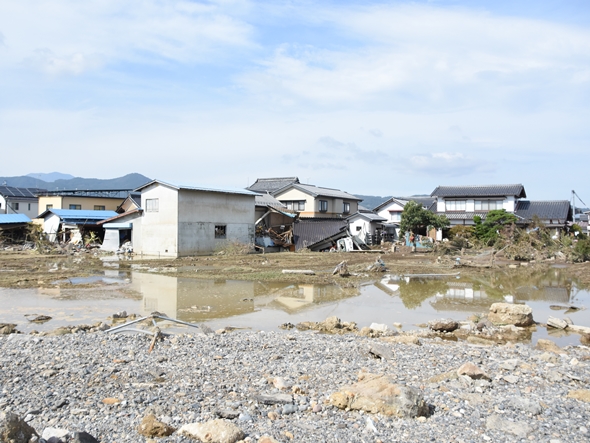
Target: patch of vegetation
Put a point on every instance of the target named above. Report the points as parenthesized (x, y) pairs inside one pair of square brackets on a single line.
[(488, 230)]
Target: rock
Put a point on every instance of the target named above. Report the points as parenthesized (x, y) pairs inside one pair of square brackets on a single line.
[(230, 414), (55, 435), (120, 314), (7, 328), (443, 325), (289, 409), (511, 379), (151, 427), (472, 371), (404, 339), (83, 437), (511, 314), (580, 394), (281, 383), (497, 423), (548, 345), (378, 394), (525, 404), (585, 339), (213, 431), (15, 430), (381, 351), (557, 323), (267, 439), (111, 401), (332, 323), (484, 323), (509, 365), (274, 399), (380, 327)]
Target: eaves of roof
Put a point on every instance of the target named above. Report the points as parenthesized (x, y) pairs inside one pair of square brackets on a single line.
[(516, 190)]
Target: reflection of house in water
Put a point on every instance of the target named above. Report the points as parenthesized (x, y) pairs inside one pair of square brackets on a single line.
[(461, 296), (299, 296), (547, 291), (193, 300), (389, 284)]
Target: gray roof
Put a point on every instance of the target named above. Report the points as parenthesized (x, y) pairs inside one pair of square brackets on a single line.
[(317, 191), (271, 184), (371, 216), (196, 188), (307, 232), (268, 200), (11, 192), (425, 201), (516, 190), (558, 210)]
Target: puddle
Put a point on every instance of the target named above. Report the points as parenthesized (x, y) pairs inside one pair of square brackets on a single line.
[(410, 300)]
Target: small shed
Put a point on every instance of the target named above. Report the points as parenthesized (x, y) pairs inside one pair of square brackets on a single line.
[(67, 221)]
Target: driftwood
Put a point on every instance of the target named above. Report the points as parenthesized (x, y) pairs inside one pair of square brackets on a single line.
[(157, 335), (298, 271), (341, 269)]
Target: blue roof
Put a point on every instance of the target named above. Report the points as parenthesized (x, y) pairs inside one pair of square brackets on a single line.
[(79, 215), (13, 218)]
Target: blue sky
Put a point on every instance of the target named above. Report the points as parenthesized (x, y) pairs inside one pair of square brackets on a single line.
[(374, 98)]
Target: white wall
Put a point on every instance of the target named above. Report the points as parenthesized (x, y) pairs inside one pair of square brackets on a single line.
[(393, 206), (51, 225), (159, 230), (7, 207)]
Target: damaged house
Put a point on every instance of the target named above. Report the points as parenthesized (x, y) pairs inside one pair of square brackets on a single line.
[(71, 225)]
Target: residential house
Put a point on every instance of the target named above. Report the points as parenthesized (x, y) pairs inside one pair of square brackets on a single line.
[(92, 200), (14, 226), (318, 234), (317, 202), (19, 200), (391, 210), (184, 220), (72, 224), (274, 224), (460, 204), (271, 185), (366, 226)]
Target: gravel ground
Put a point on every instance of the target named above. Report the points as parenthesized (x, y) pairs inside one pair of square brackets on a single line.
[(64, 382)]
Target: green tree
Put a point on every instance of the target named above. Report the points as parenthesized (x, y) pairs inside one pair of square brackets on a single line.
[(415, 217), (487, 230)]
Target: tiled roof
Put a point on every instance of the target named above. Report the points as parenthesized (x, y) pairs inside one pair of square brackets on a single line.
[(6, 219), (427, 202), (272, 184), (307, 232), (516, 190), (558, 210), (268, 200), (368, 215), (25, 193), (317, 191)]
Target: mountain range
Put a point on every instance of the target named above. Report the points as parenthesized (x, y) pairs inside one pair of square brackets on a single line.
[(58, 181)]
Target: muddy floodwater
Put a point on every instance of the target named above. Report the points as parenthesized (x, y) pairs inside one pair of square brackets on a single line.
[(408, 299)]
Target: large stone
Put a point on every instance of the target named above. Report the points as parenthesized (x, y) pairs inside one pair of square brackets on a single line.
[(472, 371), (150, 426), (557, 323), (518, 428), (378, 394), (548, 345), (213, 431), (443, 325), (580, 394), (83, 437), (511, 314), (7, 328), (15, 430), (55, 435)]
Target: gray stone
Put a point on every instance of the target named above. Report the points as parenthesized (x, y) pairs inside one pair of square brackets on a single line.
[(213, 431), (443, 325), (289, 409), (557, 323), (274, 399), (498, 423), (14, 430), (526, 404), (511, 314)]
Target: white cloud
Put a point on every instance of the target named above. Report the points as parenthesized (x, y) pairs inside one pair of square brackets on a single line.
[(146, 31)]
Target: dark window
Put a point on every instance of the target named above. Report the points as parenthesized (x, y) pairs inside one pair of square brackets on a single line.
[(99, 207), (75, 206), (48, 206), (301, 205), (16, 206), (220, 231), (323, 206), (346, 208), (29, 206), (152, 205)]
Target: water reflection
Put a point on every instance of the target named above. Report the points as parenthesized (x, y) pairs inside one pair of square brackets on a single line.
[(195, 300)]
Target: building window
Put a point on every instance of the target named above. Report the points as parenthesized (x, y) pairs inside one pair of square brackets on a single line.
[(295, 205), (99, 208), (47, 207), (454, 205), (346, 208), (75, 206), (323, 206), (16, 206), (220, 231), (488, 205), (29, 207), (396, 216), (301, 205), (152, 205)]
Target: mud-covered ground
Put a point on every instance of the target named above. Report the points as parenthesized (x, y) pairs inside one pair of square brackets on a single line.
[(26, 269)]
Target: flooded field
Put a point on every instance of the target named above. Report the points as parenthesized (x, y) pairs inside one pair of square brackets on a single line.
[(409, 299)]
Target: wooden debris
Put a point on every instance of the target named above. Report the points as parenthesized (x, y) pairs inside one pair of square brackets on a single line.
[(341, 269)]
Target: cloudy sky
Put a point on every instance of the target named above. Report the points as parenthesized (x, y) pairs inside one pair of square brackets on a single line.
[(380, 98)]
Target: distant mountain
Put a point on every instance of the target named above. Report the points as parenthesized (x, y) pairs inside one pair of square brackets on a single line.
[(372, 201), (50, 177), (129, 181)]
